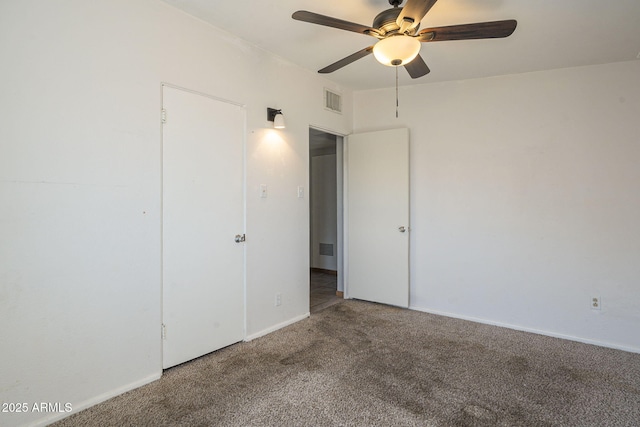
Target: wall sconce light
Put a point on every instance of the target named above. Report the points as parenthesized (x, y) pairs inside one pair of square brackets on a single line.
[(276, 117)]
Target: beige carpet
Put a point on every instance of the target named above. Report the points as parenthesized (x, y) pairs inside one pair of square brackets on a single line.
[(361, 364)]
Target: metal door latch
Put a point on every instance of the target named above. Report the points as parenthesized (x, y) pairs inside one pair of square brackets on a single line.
[(402, 229), (240, 238)]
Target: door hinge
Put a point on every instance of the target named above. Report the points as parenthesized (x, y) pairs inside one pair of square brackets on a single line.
[(163, 116), (164, 332)]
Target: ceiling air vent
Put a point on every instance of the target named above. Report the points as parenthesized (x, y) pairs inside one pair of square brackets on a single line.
[(332, 101)]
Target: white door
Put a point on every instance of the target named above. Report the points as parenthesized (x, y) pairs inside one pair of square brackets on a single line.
[(378, 217), (203, 210)]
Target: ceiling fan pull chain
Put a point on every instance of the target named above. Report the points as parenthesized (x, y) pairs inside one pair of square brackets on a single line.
[(397, 102)]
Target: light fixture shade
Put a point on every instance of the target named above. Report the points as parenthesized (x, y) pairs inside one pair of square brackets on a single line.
[(396, 50), (275, 116), (278, 121)]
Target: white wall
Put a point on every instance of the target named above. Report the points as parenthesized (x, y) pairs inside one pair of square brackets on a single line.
[(80, 174), (324, 226), (525, 198)]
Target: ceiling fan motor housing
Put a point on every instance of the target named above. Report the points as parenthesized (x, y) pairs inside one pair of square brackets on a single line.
[(385, 21)]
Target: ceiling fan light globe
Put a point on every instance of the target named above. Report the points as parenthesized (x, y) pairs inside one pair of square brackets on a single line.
[(400, 48)]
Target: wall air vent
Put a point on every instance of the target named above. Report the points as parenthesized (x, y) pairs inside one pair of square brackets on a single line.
[(332, 101), (326, 249)]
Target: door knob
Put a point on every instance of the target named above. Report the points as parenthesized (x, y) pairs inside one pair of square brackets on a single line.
[(402, 229)]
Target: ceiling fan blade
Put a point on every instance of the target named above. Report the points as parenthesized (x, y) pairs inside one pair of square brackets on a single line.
[(480, 30), (413, 12), (346, 61), (417, 68), (327, 21)]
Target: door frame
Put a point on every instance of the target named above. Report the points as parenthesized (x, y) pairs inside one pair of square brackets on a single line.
[(342, 155), (243, 107), (340, 206)]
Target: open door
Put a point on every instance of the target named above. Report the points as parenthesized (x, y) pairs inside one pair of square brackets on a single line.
[(378, 217)]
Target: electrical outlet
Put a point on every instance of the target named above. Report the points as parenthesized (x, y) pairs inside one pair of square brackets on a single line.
[(596, 303), (278, 300)]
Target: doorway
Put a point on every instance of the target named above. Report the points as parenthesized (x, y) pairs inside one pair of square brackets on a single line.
[(325, 219)]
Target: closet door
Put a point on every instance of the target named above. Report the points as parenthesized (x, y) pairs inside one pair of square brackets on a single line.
[(203, 211)]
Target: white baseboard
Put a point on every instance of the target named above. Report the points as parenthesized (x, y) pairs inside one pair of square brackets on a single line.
[(532, 330), (276, 327), (77, 407)]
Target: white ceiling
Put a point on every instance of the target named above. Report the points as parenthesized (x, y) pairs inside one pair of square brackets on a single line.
[(550, 34)]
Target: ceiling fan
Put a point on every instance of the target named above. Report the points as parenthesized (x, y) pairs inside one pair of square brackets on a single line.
[(398, 37)]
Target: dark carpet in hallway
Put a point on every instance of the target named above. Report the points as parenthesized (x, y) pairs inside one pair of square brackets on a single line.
[(322, 292)]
